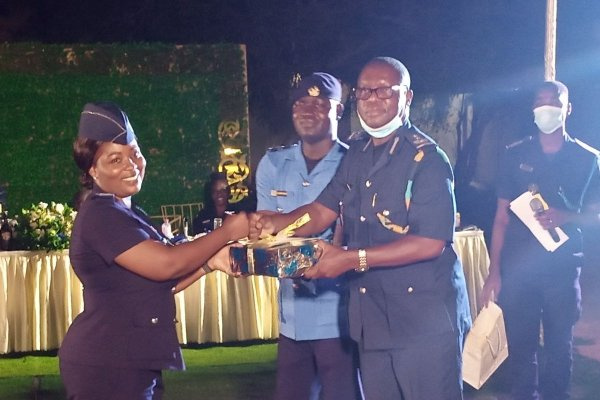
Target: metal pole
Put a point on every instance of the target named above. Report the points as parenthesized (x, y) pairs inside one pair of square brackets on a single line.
[(550, 51)]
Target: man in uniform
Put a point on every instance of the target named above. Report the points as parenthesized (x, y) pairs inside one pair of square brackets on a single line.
[(539, 285), (311, 343), (407, 306)]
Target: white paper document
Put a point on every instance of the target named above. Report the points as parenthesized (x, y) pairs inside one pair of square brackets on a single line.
[(522, 209)]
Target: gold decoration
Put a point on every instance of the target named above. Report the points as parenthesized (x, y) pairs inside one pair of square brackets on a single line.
[(314, 91), (387, 223), (295, 81), (233, 160)]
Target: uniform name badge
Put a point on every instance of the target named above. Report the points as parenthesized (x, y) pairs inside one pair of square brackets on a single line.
[(279, 256)]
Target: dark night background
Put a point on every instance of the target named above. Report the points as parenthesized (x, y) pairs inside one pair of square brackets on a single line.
[(486, 47)]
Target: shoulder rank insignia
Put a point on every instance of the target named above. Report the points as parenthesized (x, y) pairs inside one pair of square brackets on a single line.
[(357, 135), (519, 142), (419, 140), (283, 147)]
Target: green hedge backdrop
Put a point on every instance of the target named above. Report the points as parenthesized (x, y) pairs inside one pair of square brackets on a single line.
[(176, 97)]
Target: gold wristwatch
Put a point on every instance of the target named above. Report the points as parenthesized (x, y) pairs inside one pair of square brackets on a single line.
[(362, 261)]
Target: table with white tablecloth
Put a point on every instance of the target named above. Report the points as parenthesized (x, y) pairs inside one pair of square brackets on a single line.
[(40, 295)]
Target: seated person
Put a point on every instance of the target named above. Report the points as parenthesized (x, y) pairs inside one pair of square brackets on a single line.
[(216, 205)]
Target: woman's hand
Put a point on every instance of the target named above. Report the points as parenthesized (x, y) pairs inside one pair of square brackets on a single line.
[(260, 225), (236, 225)]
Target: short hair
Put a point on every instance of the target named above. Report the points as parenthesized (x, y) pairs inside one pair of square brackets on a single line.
[(561, 90), (396, 65), (84, 153)]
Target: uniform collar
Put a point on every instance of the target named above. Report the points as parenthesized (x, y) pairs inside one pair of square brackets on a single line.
[(335, 153), (392, 145)]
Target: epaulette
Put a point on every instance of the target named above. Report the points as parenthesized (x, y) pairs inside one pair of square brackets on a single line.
[(519, 142), (103, 195), (357, 135), (420, 140), (587, 147), (278, 148)]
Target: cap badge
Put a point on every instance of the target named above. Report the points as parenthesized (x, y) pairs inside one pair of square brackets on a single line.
[(314, 91)]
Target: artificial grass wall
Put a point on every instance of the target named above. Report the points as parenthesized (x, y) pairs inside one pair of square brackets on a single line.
[(176, 97)]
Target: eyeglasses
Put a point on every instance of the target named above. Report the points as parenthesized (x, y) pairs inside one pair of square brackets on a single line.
[(382, 93)]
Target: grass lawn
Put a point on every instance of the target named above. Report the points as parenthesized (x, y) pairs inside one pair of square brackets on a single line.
[(240, 371), (223, 372)]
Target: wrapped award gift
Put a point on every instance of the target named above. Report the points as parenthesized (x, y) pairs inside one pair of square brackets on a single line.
[(288, 258)]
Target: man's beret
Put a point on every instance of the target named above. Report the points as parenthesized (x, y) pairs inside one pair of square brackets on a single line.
[(318, 84), (105, 122)]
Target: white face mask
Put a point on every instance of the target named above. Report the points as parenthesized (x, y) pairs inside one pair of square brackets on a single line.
[(548, 118), (384, 130)]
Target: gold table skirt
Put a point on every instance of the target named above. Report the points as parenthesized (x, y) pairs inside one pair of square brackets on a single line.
[(472, 251), (40, 295)]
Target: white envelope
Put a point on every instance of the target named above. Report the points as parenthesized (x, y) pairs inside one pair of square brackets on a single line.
[(520, 206)]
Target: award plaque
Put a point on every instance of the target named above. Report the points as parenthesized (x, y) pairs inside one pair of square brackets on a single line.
[(281, 259)]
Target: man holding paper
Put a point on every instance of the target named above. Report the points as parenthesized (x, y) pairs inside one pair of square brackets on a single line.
[(549, 186)]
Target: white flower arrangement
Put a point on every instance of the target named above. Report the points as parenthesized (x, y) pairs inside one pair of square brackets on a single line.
[(45, 227)]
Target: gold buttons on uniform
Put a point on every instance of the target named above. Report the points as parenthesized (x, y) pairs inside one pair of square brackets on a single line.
[(363, 290), (410, 289), (175, 321), (306, 183), (154, 321), (295, 286), (385, 213), (368, 183), (362, 218)]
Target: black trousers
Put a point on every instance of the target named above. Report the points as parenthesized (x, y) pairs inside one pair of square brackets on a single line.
[(418, 371), (552, 299), (330, 361), (85, 382)]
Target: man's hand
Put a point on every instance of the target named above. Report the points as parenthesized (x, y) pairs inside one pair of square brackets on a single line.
[(333, 262), (221, 262), (491, 288), (260, 225), (552, 218)]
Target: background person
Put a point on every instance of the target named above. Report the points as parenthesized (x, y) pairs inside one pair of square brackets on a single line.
[(408, 306), (117, 347), (312, 320), (532, 284), (216, 204)]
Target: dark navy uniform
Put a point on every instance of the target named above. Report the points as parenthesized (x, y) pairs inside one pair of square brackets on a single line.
[(537, 284), (408, 320), (128, 322)]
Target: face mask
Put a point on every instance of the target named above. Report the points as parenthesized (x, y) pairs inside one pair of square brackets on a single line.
[(548, 118), (384, 130)]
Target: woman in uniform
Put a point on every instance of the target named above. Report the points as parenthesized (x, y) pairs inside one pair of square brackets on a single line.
[(116, 348)]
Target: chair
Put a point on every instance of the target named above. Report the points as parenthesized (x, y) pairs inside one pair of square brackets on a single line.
[(176, 213)]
